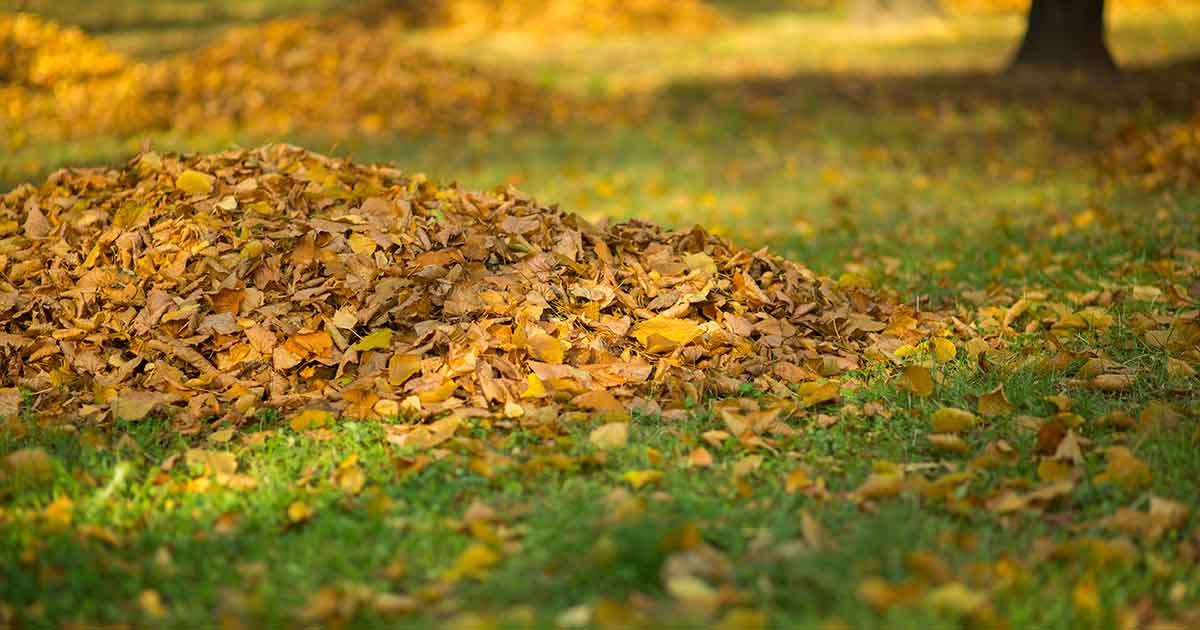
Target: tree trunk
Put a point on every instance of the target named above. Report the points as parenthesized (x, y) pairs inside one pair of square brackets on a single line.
[(1065, 35)]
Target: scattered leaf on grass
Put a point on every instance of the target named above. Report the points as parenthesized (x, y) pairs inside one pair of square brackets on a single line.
[(950, 420), (610, 436), (917, 380)]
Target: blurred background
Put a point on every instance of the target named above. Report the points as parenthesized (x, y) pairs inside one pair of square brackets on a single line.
[(872, 139)]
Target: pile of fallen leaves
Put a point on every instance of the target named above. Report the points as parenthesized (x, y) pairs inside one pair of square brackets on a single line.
[(597, 16), (332, 76), (336, 76), (217, 285), (58, 82), (1163, 157)]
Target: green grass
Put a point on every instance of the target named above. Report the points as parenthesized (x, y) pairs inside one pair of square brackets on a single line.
[(954, 190)]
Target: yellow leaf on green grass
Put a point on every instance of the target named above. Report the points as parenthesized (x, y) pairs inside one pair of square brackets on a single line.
[(918, 380), (378, 339), (298, 512), (1125, 469), (950, 420), (310, 419), (700, 457), (943, 350), (950, 443), (610, 436), (194, 182), (880, 486), (994, 403), (29, 465), (957, 598), (474, 562), (677, 331), (639, 478)]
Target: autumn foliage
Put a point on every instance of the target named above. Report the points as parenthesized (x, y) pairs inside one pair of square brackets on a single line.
[(1160, 157), (600, 16), (217, 284), (312, 74)]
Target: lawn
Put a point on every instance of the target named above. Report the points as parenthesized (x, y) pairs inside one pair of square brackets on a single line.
[(895, 159)]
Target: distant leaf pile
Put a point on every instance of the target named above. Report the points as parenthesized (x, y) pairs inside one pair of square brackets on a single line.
[(1168, 156), (58, 82), (599, 16), (322, 75), (337, 76), (220, 284)]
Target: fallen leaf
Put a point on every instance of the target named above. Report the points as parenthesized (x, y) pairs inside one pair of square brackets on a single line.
[(917, 380), (639, 478), (994, 403), (610, 436), (194, 182), (950, 420)]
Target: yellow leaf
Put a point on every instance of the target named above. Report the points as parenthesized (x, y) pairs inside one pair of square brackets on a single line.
[(217, 462), (310, 419), (994, 403), (598, 400), (943, 350), (298, 512), (194, 182), (949, 442), (700, 457), (610, 436), (545, 348), (535, 388), (700, 262), (31, 465), (918, 380), (361, 243), (677, 331), (1125, 469), (956, 597), (402, 367), (816, 393), (350, 479), (474, 562), (639, 478), (949, 420), (880, 485), (152, 604), (439, 393), (797, 480), (58, 513), (378, 339)]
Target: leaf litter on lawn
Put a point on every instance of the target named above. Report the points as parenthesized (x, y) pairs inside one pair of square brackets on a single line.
[(214, 285), (325, 75)]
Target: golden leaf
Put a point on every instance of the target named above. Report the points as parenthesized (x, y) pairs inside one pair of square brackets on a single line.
[(943, 350), (917, 380), (676, 331), (610, 436), (194, 182), (545, 348), (639, 478), (994, 403), (377, 340), (950, 420)]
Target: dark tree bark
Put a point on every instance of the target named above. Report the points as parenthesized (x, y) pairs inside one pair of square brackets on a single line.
[(1065, 35)]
